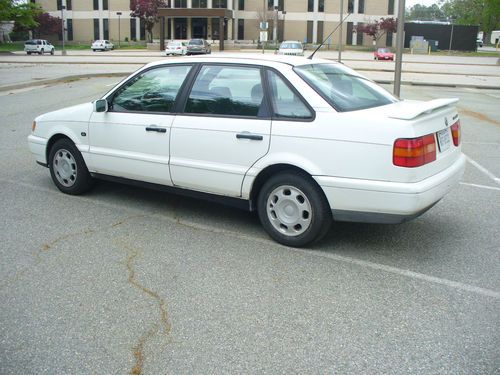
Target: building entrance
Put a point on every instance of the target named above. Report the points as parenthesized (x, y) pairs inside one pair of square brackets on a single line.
[(199, 28)]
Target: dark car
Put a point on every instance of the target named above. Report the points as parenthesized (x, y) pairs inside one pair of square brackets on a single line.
[(198, 47)]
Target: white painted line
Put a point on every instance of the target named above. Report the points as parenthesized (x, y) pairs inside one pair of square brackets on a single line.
[(483, 169), (480, 186), (407, 273), (362, 263)]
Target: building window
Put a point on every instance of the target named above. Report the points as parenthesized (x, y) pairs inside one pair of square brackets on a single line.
[(349, 33), (309, 31), (96, 28), (361, 6), (133, 32), (241, 4), (199, 4), (180, 3), (142, 29), (321, 5), (319, 32), (359, 37), (59, 4), (350, 6), (69, 6), (281, 5), (215, 29), (69, 26), (241, 29), (96, 4), (270, 4), (310, 5), (388, 40), (105, 26), (390, 8), (105, 5), (219, 3)]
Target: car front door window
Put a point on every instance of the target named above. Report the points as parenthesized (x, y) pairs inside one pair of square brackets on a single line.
[(151, 91)]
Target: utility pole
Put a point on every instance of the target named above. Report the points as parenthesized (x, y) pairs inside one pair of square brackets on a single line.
[(119, 36), (63, 52), (399, 47), (340, 28)]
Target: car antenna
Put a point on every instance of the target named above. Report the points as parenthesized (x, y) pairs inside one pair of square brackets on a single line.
[(329, 35)]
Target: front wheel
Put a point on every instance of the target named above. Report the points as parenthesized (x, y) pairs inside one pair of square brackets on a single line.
[(52, 52), (68, 169), (293, 209)]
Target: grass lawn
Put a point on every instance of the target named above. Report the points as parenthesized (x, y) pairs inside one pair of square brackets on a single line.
[(19, 46)]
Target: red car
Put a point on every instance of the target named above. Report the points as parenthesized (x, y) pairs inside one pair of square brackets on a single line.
[(383, 54)]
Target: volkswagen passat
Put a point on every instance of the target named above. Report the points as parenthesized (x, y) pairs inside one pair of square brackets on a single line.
[(303, 142)]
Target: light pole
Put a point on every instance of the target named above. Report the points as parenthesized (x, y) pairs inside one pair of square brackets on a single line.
[(451, 36), (119, 36), (283, 29), (340, 29), (399, 47), (63, 52)]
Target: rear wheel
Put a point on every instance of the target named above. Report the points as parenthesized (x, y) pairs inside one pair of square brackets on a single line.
[(68, 169), (29, 53), (293, 209), (41, 52), (52, 51)]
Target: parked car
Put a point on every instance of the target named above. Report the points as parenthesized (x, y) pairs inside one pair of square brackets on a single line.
[(198, 47), (39, 46), (302, 142), (383, 54), (102, 45), (176, 47), (291, 48)]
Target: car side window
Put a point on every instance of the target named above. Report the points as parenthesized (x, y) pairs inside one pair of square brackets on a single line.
[(227, 90), (151, 91), (286, 103)]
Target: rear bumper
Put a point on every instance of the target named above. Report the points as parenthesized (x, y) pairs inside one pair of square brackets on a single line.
[(387, 202)]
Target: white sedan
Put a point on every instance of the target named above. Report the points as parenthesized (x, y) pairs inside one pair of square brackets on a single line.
[(302, 142), (176, 47), (102, 45)]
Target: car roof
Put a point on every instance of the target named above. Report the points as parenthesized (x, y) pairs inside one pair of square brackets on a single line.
[(248, 58)]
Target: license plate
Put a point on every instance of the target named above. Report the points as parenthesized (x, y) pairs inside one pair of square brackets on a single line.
[(444, 139)]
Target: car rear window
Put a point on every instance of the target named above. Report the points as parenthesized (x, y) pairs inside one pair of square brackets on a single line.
[(291, 46), (343, 88), (196, 42), (30, 42)]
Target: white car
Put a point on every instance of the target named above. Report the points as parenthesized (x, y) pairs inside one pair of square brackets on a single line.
[(176, 47), (291, 48), (102, 45), (39, 46), (303, 142)]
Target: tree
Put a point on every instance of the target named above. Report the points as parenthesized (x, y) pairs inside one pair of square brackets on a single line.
[(147, 10), (23, 13), (47, 25), (485, 13), (420, 12), (378, 29)]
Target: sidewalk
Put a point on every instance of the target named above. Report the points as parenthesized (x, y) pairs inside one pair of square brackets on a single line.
[(18, 70)]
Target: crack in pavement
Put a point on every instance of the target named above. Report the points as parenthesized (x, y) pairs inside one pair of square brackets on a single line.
[(49, 245), (164, 322)]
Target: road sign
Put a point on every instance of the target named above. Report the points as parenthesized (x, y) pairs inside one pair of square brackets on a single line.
[(264, 25), (263, 36)]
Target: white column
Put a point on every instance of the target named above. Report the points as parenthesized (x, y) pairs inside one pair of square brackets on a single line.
[(137, 29), (354, 35), (101, 23), (209, 4), (189, 26), (189, 3)]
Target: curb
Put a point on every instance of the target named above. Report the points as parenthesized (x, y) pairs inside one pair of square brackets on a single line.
[(124, 74)]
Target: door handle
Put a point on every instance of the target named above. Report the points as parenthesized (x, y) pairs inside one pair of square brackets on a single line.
[(155, 128), (247, 135)]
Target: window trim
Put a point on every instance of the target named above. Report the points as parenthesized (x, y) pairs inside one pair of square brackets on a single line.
[(110, 96), (295, 91), (266, 110)]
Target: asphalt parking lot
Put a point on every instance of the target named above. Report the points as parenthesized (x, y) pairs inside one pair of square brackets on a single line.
[(126, 280)]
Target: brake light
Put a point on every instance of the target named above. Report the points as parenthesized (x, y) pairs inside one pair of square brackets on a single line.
[(456, 133), (414, 152)]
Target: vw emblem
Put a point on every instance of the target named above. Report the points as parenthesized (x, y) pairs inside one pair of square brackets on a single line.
[(446, 121)]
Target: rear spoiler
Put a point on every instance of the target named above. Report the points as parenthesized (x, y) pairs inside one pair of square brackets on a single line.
[(409, 109)]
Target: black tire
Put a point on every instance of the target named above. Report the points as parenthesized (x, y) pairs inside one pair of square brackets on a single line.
[(68, 169), (301, 201), (29, 53), (52, 51), (41, 52)]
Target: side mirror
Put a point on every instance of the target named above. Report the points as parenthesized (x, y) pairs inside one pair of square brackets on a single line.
[(101, 105)]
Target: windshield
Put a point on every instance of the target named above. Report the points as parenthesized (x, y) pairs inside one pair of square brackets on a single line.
[(291, 46), (383, 50), (343, 88), (196, 42)]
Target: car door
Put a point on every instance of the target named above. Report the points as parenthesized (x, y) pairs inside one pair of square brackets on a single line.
[(131, 139), (224, 129)]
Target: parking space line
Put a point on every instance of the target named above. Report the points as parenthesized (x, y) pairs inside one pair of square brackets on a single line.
[(480, 186), (483, 169), (339, 258)]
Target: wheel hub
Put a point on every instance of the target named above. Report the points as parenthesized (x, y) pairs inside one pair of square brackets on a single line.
[(64, 166)]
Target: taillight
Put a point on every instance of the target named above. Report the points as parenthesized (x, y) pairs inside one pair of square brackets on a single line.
[(456, 133), (414, 152)]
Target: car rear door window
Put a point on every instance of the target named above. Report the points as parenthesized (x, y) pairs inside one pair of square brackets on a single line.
[(154, 90), (227, 90), (286, 103)]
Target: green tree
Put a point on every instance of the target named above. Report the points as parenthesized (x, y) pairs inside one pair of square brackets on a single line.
[(23, 13), (420, 12), (485, 13)]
